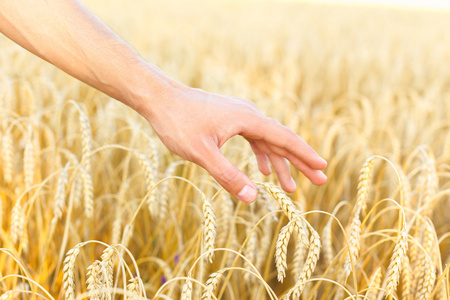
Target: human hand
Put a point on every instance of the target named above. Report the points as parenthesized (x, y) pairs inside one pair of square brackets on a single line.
[(194, 124)]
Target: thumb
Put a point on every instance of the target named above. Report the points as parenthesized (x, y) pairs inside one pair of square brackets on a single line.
[(229, 176)]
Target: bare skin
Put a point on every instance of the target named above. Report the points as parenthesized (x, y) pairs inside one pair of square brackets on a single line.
[(192, 123)]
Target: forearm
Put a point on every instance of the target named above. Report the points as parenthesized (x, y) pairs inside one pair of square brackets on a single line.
[(67, 35)]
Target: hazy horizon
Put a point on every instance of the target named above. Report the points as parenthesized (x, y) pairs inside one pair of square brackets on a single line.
[(430, 4)]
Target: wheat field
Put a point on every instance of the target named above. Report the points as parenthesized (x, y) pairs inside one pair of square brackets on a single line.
[(93, 206)]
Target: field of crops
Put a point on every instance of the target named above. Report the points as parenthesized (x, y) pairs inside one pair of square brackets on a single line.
[(92, 205)]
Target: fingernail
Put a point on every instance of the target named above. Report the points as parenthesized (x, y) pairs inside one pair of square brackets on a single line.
[(323, 160), (294, 185), (324, 177), (247, 194), (269, 168)]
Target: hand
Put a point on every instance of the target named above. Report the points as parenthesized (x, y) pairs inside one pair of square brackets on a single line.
[(194, 124)]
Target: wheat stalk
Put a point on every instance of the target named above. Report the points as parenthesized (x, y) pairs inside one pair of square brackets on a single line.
[(127, 234), (265, 242), (1, 210), (375, 283)]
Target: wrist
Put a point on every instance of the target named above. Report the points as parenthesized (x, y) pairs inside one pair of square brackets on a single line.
[(153, 91), (145, 88)]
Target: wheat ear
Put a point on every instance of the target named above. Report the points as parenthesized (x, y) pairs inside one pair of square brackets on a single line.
[(68, 270), (150, 181), (88, 193), (426, 282), (308, 268), (135, 288), (281, 250), (406, 279), (354, 245), (364, 179), (95, 281), (117, 227), (17, 222), (327, 243), (165, 190), (9, 295), (288, 208), (396, 263), (76, 191), (252, 245), (209, 227), (108, 263), (211, 284), (8, 156), (226, 207), (300, 253), (29, 161), (24, 239), (86, 142), (60, 195), (186, 292)]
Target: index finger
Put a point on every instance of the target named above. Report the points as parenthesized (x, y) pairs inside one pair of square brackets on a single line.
[(272, 132)]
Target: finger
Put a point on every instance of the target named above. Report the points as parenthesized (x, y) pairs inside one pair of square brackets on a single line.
[(272, 132), (317, 177), (228, 176), (262, 159), (284, 174)]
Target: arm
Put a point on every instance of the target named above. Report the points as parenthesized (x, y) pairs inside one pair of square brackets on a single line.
[(192, 123)]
